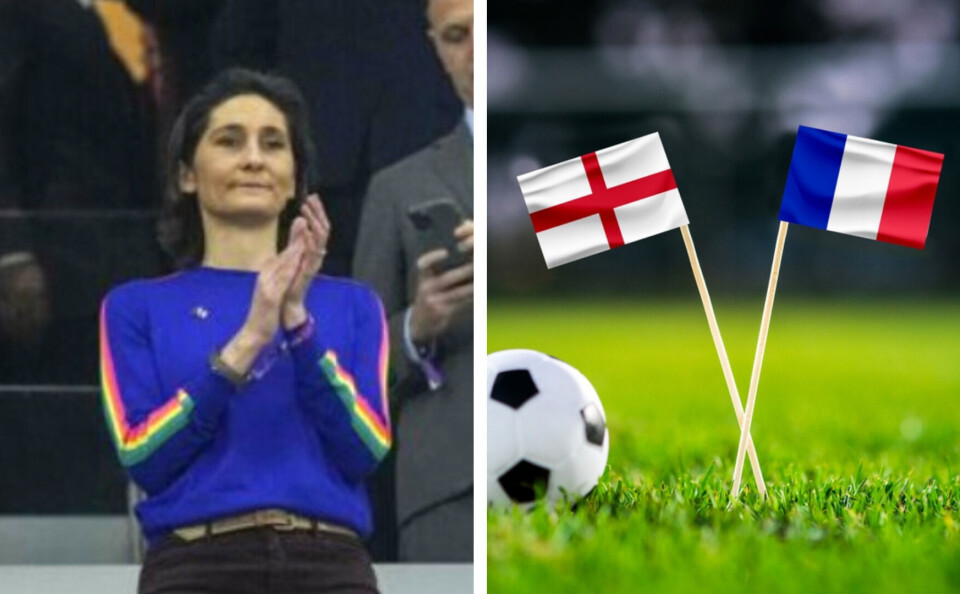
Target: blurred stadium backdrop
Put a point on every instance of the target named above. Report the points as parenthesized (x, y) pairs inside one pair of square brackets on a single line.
[(858, 394)]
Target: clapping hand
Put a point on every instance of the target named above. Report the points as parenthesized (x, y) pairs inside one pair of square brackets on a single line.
[(281, 287), (263, 318), (311, 230)]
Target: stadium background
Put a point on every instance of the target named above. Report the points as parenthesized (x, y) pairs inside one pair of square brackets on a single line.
[(726, 84), (856, 413)]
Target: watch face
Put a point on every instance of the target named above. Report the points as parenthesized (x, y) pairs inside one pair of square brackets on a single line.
[(220, 368)]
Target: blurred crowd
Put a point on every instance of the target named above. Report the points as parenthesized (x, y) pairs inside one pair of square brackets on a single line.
[(726, 85), (88, 92)]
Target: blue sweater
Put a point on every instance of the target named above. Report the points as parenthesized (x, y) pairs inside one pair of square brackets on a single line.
[(302, 436)]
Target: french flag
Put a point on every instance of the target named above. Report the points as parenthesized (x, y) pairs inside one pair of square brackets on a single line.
[(861, 187)]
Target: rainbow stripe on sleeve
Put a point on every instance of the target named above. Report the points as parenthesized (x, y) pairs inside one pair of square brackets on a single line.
[(136, 443), (373, 430)]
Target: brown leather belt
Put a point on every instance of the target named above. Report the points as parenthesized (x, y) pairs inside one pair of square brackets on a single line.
[(277, 519)]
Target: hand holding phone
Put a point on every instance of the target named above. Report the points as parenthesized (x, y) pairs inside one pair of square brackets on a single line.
[(445, 278), (436, 223)]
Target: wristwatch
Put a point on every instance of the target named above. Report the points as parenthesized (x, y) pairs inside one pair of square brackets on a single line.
[(228, 373)]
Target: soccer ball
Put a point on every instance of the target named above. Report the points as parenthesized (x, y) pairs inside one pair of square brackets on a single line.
[(546, 429)]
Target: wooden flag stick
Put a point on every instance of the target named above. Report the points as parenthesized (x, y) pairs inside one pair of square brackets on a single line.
[(758, 359), (722, 353)]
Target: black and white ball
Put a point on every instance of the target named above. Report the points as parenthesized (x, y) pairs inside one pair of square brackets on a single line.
[(546, 429)]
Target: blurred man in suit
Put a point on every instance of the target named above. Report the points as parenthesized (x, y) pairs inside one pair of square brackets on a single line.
[(430, 313), (75, 142)]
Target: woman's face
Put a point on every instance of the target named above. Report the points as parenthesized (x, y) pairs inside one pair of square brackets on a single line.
[(243, 167)]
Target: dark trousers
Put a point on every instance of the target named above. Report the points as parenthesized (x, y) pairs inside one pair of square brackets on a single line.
[(259, 561)]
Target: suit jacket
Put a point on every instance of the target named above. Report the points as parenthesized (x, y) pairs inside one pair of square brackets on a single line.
[(434, 428)]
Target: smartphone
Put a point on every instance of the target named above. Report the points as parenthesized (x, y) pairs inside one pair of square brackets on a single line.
[(435, 222)]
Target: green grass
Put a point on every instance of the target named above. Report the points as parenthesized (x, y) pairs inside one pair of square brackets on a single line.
[(857, 428)]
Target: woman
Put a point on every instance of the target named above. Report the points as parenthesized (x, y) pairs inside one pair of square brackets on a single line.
[(246, 395)]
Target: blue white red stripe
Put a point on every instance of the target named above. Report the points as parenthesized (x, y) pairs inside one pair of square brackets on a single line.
[(861, 187)]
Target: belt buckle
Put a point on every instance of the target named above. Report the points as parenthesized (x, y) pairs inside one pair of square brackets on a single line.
[(284, 521)]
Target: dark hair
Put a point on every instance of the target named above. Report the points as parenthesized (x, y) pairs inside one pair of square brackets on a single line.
[(180, 228)]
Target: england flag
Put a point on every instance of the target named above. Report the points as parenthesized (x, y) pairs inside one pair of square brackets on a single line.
[(603, 200)]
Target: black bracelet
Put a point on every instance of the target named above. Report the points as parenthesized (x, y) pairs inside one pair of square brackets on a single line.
[(233, 376)]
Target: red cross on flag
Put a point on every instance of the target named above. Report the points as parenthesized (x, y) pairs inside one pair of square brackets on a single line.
[(603, 200)]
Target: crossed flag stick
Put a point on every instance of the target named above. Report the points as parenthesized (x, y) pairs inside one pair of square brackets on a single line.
[(853, 185), (627, 192), (615, 196)]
